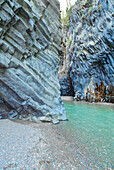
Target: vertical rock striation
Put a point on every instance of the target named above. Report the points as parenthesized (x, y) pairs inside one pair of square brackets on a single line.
[(89, 53), (30, 38)]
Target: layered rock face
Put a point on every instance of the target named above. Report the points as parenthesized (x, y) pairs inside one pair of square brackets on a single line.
[(30, 39), (89, 54)]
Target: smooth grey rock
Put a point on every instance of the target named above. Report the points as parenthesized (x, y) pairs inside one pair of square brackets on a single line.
[(45, 119), (4, 60)]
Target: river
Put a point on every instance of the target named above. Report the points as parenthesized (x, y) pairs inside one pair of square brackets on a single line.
[(91, 130)]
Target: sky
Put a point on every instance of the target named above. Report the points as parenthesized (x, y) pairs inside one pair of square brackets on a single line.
[(63, 4)]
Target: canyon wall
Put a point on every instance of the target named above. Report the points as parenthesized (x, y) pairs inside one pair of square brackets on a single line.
[(87, 67), (30, 40)]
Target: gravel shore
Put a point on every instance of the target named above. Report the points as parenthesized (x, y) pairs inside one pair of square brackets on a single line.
[(27, 145)]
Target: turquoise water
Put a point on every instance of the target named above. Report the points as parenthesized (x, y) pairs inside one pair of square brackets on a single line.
[(91, 128)]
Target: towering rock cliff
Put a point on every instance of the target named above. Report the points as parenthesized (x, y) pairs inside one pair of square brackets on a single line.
[(89, 54), (30, 39)]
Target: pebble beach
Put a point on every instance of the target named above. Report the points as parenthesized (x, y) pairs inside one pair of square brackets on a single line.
[(27, 145)]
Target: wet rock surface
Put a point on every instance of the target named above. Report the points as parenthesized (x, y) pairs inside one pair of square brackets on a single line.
[(30, 38), (88, 39)]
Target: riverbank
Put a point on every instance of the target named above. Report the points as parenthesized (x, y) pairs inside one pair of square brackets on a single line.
[(84, 142), (71, 99), (27, 145)]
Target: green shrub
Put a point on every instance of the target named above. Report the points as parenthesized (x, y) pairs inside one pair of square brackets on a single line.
[(65, 19), (70, 42)]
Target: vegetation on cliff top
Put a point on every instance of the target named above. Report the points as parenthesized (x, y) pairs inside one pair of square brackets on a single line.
[(66, 16)]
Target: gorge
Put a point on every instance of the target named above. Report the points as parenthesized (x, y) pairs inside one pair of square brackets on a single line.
[(43, 59), (30, 48)]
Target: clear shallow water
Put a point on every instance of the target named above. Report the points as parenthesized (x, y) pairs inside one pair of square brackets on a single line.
[(91, 129)]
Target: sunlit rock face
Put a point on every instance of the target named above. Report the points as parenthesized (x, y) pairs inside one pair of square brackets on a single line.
[(30, 39), (89, 50)]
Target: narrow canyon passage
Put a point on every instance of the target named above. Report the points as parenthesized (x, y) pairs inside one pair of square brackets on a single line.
[(47, 55)]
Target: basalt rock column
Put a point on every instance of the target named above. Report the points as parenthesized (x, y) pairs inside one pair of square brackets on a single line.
[(89, 47), (30, 38)]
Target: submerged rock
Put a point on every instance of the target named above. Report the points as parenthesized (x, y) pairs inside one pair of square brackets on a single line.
[(88, 42), (30, 39)]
